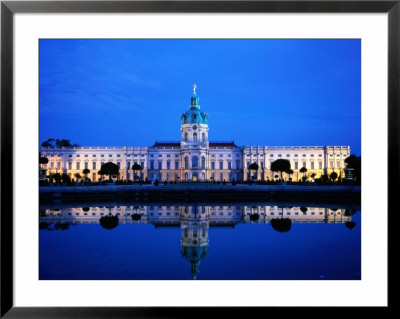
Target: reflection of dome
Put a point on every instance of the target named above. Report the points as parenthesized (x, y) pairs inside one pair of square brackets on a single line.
[(194, 254)]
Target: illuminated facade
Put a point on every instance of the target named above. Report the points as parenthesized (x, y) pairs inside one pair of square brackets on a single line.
[(195, 158)]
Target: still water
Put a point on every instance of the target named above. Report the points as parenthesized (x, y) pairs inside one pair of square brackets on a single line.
[(203, 242)]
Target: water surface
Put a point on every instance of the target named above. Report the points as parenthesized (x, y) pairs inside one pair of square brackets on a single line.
[(203, 242)]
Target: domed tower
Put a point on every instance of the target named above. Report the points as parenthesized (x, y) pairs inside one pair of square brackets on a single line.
[(194, 142), (194, 235)]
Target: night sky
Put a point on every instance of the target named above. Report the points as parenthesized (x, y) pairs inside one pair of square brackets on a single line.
[(256, 92)]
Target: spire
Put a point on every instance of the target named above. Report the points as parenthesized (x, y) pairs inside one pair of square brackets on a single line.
[(194, 99)]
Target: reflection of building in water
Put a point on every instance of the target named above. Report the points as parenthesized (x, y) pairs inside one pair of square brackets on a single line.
[(194, 235), (193, 220), (222, 215)]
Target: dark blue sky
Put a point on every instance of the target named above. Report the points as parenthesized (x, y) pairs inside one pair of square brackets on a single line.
[(256, 92)]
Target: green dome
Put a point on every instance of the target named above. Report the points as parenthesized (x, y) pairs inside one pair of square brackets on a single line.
[(194, 115)]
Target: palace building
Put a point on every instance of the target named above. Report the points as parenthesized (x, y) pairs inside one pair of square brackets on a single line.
[(196, 158)]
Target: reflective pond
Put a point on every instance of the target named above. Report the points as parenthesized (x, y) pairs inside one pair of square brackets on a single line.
[(198, 241)]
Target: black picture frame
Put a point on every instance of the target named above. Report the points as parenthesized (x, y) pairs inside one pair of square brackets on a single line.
[(9, 8)]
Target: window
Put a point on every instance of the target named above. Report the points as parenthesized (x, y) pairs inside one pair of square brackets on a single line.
[(176, 164), (331, 164), (296, 165), (304, 164), (69, 165), (237, 164), (212, 165), (102, 155), (110, 155), (94, 165), (221, 176), (168, 165), (194, 136), (151, 164), (94, 155), (78, 165), (76, 155), (319, 155), (128, 165), (338, 164), (304, 155), (86, 155), (271, 155), (296, 155), (69, 155), (203, 137), (279, 155), (312, 165), (119, 164), (221, 165), (118, 155), (186, 163), (262, 165), (159, 164), (186, 137), (287, 155), (195, 161), (320, 165), (221, 155), (248, 164), (312, 155), (203, 162), (58, 165), (86, 164)]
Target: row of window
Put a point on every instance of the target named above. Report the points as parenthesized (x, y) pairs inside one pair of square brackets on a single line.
[(194, 137), (95, 155), (195, 164), (296, 164)]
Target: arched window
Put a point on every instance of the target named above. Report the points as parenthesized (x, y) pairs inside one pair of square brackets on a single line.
[(186, 163), (203, 137), (186, 137), (195, 161), (203, 162), (194, 137)]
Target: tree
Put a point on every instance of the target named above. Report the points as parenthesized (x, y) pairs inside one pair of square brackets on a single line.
[(254, 167), (65, 178), (136, 167), (280, 165), (281, 224), (78, 176), (289, 172), (48, 143), (354, 162), (333, 176), (303, 170), (43, 160), (63, 143), (85, 172), (57, 177), (109, 169), (313, 175), (109, 222), (52, 143), (350, 224)]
